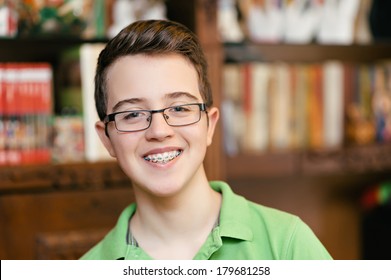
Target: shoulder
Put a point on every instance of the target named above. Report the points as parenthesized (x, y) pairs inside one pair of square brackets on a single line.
[(276, 234), (113, 245), (291, 237)]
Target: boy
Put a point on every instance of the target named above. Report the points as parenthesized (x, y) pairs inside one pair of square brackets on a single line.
[(157, 119)]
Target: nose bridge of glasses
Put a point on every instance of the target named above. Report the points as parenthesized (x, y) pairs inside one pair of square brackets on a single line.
[(165, 116)]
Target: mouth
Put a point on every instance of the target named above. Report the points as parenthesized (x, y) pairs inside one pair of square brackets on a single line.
[(163, 158)]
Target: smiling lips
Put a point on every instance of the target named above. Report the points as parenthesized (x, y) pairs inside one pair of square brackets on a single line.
[(163, 158)]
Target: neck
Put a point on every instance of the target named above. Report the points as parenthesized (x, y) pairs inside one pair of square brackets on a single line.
[(183, 219)]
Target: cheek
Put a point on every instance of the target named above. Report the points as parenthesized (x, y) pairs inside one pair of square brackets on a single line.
[(198, 137), (124, 144)]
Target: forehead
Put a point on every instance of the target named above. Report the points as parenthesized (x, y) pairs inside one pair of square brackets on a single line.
[(150, 77)]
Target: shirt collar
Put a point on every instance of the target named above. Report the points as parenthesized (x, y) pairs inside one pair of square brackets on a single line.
[(116, 239), (235, 218), (235, 221)]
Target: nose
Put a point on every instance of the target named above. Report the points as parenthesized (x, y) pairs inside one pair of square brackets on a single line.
[(159, 129)]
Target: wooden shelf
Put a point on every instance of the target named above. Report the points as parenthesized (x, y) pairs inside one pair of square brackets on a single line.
[(38, 49), (247, 52), (245, 166), (57, 177), (352, 160)]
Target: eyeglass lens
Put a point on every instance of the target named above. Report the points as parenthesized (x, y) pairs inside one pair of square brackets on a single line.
[(174, 116)]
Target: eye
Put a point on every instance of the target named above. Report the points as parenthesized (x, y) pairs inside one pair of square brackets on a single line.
[(182, 108), (132, 115)]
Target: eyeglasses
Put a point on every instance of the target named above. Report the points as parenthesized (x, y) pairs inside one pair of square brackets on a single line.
[(137, 120)]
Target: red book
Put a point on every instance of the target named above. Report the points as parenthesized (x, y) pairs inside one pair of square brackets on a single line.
[(247, 108), (2, 114), (43, 85), (11, 116)]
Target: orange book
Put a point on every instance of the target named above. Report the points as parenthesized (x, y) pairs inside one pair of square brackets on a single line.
[(315, 104)]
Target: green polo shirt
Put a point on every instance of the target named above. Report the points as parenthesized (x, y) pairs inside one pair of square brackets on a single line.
[(246, 231)]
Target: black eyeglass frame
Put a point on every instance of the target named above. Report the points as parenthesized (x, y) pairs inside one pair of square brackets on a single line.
[(111, 117)]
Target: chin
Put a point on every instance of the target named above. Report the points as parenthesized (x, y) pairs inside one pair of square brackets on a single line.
[(160, 188), (164, 190)]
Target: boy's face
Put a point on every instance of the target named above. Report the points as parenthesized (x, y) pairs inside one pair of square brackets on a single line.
[(155, 82)]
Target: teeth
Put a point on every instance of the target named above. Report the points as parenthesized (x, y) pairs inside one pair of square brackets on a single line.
[(162, 158)]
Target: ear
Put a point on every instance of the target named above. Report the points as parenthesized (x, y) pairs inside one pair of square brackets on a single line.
[(100, 129), (214, 115)]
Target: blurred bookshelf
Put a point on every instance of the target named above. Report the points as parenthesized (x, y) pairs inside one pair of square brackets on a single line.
[(322, 185), (321, 177), (345, 157), (68, 198)]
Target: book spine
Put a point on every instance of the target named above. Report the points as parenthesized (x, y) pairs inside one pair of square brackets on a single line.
[(333, 109), (11, 115), (44, 96), (276, 106), (259, 119), (2, 116), (315, 106), (280, 106), (247, 107), (231, 108)]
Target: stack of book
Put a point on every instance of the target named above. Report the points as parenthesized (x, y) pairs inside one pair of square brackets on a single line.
[(25, 113)]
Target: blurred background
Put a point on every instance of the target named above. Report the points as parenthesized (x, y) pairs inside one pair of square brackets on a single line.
[(304, 87)]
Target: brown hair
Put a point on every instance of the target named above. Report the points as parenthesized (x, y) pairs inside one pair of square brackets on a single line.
[(151, 37)]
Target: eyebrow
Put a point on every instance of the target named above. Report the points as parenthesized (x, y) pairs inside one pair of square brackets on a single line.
[(179, 94), (172, 95), (127, 101)]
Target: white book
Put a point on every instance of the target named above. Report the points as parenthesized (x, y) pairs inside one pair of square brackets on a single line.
[(280, 106), (333, 102), (94, 149), (259, 119)]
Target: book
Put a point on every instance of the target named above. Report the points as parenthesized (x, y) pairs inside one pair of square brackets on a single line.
[(315, 107), (43, 77), (273, 106), (279, 102), (300, 139), (11, 118), (26, 110), (68, 139), (247, 108), (381, 101), (333, 104), (259, 120), (94, 149), (2, 116), (232, 113), (8, 19)]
